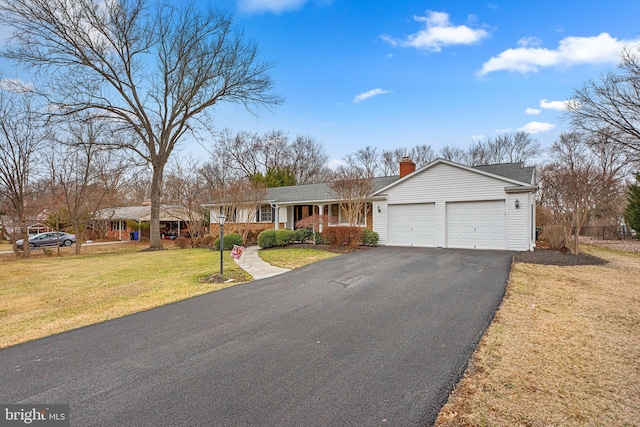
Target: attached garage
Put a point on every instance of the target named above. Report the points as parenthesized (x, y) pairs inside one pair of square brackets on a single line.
[(412, 225), (448, 205), (476, 225)]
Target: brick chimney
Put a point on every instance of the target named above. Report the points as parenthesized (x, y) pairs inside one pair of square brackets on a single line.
[(406, 166)]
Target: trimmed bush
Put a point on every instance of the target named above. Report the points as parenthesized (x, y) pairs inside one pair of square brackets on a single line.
[(303, 234), (207, 241), (182, 242), (229, 240), (343, 236), (267, 239), (284, 237), (554, 236), (369, 237)]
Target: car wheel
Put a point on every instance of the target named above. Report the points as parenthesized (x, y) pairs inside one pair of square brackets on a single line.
[(67, 242), (32, 246)]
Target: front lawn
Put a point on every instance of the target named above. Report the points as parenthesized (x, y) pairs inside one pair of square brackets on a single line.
[(289, 257), (563, 349), (44, 295)]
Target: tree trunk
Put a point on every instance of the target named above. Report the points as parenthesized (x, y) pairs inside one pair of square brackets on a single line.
[(156, 195)]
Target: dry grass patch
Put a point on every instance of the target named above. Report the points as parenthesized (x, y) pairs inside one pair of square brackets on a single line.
[(45, 295), (293, 257), (563, 350)]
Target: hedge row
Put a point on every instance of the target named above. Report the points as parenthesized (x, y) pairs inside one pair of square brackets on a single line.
[(334, 236)]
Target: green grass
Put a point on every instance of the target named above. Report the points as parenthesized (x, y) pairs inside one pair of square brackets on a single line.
[(43, 295), (293, 257)]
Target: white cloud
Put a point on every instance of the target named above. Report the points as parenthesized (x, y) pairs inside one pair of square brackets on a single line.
[(335, 164), (571, 51), (529, 42), (505, 130), (274, 6), (553, 105), (533, 111), (477, 138), (366, 95), (537, 127), (437, 33), (16, 85)]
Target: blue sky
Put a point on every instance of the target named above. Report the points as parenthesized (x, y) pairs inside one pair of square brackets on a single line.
[(399, 73)]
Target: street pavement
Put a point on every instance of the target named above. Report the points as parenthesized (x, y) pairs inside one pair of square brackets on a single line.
[(377, 337)]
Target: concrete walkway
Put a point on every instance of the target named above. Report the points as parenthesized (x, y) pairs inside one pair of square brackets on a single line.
[(255, 266)]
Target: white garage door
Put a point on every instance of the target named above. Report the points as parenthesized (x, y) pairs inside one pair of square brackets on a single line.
[(412, 225), (476, 225)]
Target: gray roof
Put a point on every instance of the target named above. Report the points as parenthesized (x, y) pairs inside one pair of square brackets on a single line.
[(516, 171), (310, 193), (143, 213), (315, 192)]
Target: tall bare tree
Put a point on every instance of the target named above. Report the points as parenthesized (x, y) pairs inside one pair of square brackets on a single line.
[(506, 148), (156, 70), (365, 160), (22, 132), (611, 105), (249, 154), (453, 154)]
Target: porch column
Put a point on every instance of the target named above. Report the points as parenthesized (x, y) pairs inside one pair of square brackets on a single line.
[(277, 217), (320, 212)]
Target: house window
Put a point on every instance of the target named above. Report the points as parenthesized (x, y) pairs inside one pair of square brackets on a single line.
[(265, 213)]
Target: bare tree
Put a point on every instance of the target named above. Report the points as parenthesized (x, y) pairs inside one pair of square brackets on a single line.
[(612, 104), (83, 174), (183, 188), (309, 159), (506, 148), (573, 186), (21, 134), (156, 71), (453, 154), (421, 155), (249, 154), (239, 201), (352, 189), (365, 160)]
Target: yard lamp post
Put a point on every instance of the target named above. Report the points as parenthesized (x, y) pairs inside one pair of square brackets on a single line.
[(221, 219)]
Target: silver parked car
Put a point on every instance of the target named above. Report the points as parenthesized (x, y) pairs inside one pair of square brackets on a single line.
[(48, 239)]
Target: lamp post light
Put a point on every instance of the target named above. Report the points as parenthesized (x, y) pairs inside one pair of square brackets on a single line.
[(221, 219)]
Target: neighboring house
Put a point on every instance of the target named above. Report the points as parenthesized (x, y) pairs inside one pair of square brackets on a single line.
[(443, 204), (35, 225), (174, 220)]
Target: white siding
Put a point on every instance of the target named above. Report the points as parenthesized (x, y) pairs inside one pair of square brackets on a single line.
[(380, 221), (446, 183), (443, 183), (519, 219)]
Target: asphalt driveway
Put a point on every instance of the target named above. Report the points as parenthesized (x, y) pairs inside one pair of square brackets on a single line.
[(377, 337)]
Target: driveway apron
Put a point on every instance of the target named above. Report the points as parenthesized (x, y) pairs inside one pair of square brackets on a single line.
[(376, 337)]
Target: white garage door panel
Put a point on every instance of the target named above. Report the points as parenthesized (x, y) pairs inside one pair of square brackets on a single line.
[(412, 225), (476, 225)]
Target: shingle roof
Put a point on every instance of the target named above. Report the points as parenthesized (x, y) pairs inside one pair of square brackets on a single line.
[(515, 171), (143, 213), (308, 193), (315, 192)]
